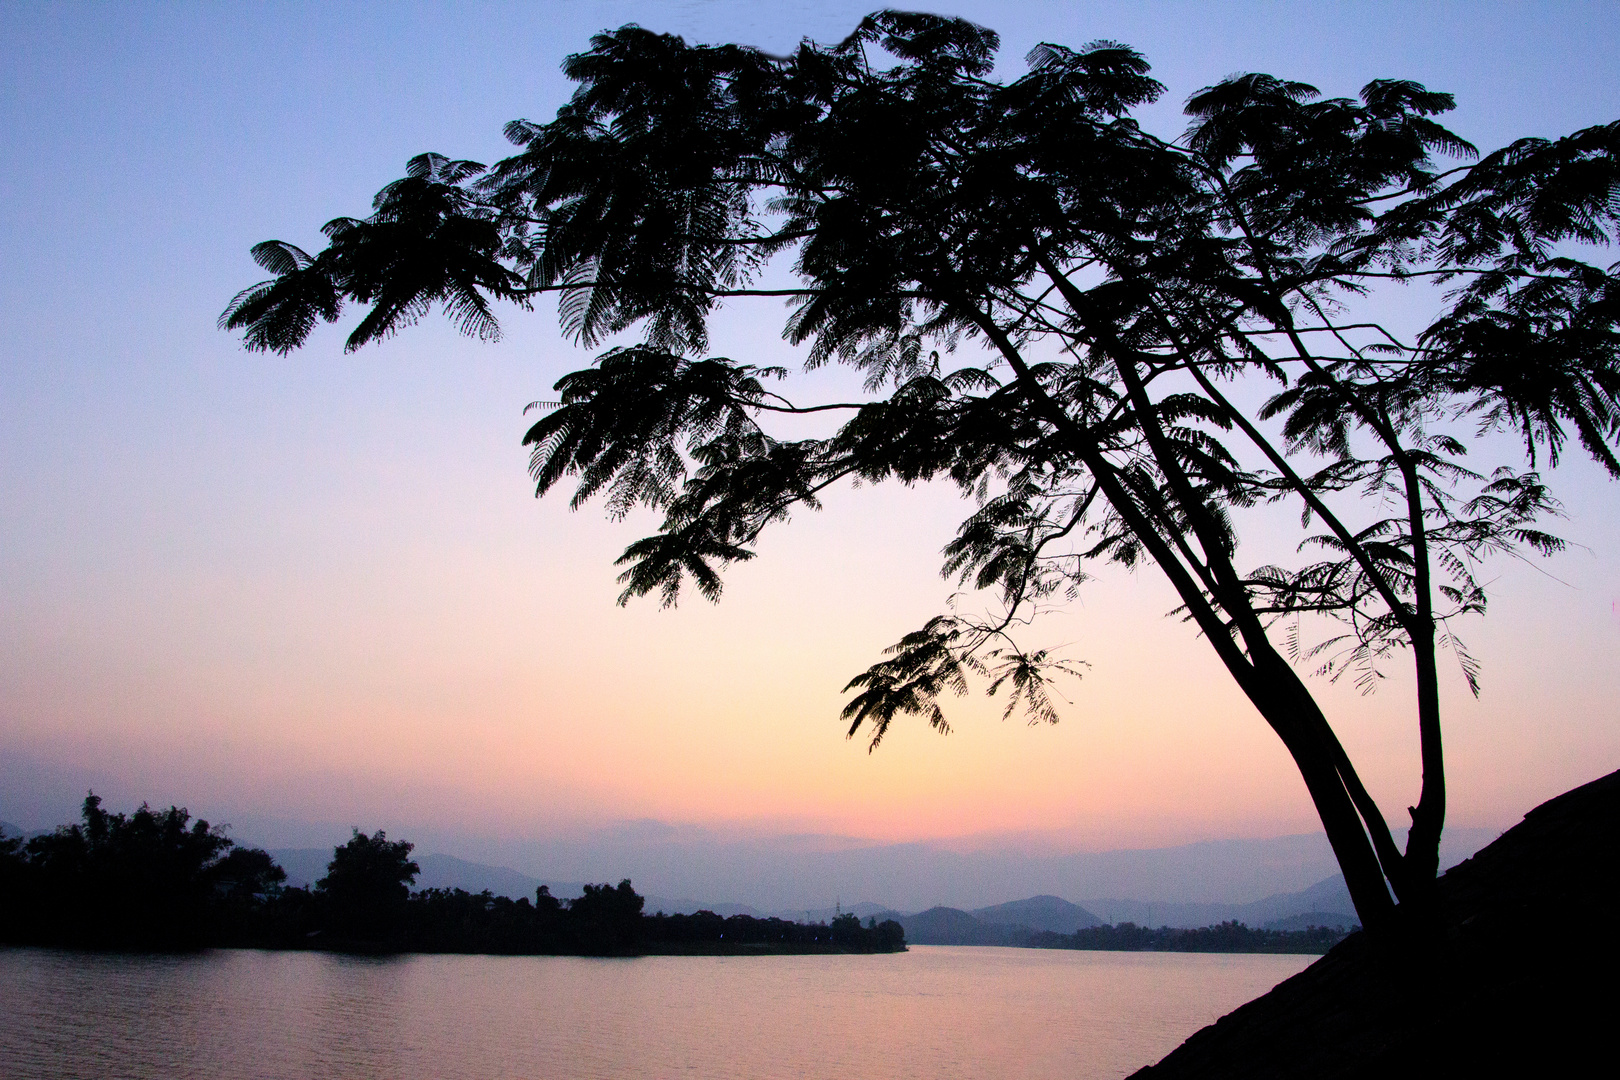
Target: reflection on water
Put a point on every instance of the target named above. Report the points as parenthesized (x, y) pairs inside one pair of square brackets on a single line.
[(933, 1013)]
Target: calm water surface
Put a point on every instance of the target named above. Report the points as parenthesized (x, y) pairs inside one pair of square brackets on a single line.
[(934, 1013)]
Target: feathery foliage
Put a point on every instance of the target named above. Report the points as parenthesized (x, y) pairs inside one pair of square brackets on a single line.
[(1062, 315)]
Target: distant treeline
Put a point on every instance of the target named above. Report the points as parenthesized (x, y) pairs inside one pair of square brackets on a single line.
[(1227, 937), (159, 880)]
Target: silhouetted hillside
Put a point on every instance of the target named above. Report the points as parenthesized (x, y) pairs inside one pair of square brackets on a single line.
[(952, 926), (1519, 981), (1039, 913)]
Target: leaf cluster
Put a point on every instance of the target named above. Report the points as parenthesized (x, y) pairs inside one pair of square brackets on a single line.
[(1052, 309)]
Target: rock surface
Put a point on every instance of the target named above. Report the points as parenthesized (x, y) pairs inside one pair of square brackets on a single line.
[(1523, 981)]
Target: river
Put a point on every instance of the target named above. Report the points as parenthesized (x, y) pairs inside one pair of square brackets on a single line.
[(933, 1013)]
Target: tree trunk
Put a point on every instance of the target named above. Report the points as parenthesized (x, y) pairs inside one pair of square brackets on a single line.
[(1363, 873), (1429, 815)]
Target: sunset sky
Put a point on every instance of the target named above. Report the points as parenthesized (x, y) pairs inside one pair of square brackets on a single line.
[(306, 593)]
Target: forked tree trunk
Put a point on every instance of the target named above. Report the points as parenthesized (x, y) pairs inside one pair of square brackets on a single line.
[(1283, 700), (1265, 677)]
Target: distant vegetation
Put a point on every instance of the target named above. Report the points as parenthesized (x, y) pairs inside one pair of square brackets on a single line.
[(1227, 937), (160, 880)]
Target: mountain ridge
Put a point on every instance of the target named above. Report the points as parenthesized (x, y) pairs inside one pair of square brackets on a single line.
[(1008, 923), (1015, 922)]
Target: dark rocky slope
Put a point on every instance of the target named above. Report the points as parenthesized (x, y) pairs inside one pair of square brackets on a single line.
[(1522, 982)]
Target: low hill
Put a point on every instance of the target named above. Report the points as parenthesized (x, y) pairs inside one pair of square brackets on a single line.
[(1039, 913), (953, 926), (1518, 981)]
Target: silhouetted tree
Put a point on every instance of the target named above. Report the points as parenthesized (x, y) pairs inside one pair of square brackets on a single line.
[(366, 886), (545, 903), (16, 886), (607, 919), (151, 879), (454, 920), (847, 930), (244, 880), (1146, 338)]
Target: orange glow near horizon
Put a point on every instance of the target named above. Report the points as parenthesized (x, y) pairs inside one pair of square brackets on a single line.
[(511, 696)]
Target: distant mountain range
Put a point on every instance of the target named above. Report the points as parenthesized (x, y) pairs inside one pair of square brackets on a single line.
[(1323, 904), (1327, 899), (1004, 924), (790, 874)]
